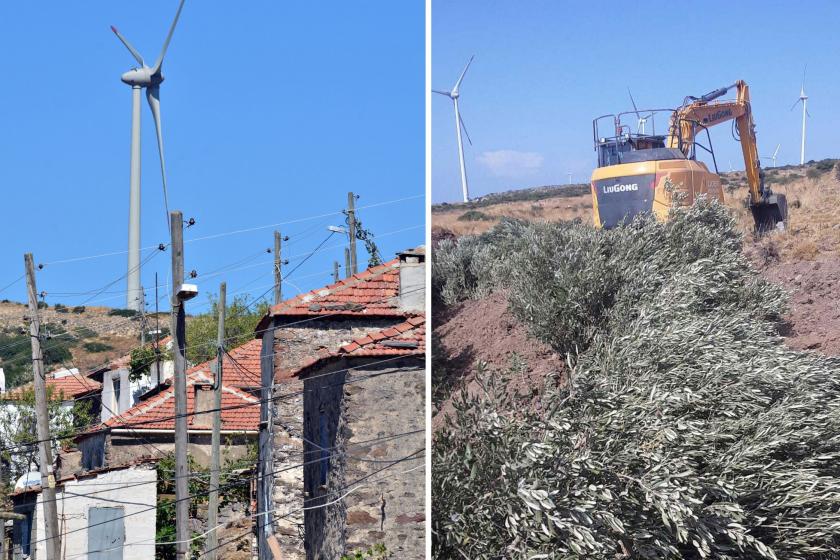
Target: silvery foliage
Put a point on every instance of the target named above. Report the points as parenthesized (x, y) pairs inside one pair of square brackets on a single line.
[(687, 429)]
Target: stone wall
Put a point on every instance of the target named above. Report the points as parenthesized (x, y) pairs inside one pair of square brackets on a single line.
[(296, 343), (372, 419)]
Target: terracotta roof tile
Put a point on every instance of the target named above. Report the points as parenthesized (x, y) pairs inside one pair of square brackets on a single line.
[(372, 292), (405, 339), (241, 411), (71, 386)]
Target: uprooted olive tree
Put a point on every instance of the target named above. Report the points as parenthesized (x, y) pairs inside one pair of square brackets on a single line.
[(686, 429)]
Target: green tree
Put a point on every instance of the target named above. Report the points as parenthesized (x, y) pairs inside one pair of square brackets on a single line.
[(18, 435), (240, 322)]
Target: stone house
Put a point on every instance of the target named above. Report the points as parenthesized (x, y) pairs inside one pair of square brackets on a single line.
[(147, 429), (295, 334), (364, 445)]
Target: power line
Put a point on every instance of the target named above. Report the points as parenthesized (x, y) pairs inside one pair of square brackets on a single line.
[(232, 232)]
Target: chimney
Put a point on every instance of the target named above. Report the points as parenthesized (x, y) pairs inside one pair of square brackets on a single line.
[(413, 279)]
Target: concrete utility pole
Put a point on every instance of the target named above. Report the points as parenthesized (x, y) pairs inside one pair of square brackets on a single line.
[(278, 273), (335, 272), (346, 262), (351, 222), (177, 327), (215, 443), (52, 535)]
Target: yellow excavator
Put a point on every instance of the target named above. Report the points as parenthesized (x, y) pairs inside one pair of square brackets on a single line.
[(640, 172)]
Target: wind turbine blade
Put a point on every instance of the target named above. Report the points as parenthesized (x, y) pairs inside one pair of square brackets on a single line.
[(153, 96), (461, 77), (633, 101), (460, 118), (777, 151), (131, 49), (792, 107), (156, 67), (446, 93)]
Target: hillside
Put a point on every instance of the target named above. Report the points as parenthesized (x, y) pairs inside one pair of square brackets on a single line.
[(82, 337)]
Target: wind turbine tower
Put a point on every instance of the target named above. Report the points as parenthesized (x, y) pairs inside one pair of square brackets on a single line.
[(150, 79), (804, 100), (454, 94)]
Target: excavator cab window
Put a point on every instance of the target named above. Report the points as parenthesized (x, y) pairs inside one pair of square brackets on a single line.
[(627, 146)]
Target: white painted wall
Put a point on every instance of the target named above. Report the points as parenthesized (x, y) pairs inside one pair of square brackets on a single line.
[(118, 488)]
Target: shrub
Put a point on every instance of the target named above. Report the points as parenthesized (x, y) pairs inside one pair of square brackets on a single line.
[(812, 173), (96, 346), (43, 305), (60, 308), (123, 313), (84, 332), (79, 309), (685, 430), (474, 216)]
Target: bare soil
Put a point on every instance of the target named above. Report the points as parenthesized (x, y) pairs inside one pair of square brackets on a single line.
[(485, 332), (814, 316)]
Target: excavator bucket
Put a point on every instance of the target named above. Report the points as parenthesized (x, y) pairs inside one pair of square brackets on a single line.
[(770, 214)]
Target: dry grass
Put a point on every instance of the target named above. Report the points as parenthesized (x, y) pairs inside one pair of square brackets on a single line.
[(813, 229), (549, 209)]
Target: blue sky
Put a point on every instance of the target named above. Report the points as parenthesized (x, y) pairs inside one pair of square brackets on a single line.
[(272, 111), (544, 69)]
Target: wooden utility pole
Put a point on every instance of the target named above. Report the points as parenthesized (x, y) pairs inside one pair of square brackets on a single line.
[(347, 262), (351, 222), (216, 441), (336, 266), (42, 418), (177, 327), (278, 274)]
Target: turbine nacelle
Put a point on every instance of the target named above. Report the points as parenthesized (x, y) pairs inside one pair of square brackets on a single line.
[(141, 77)]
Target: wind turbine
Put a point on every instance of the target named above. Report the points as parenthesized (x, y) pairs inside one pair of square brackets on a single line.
[(139, 78), (454, 94), (804, 99), (773, 157), (640, 128)]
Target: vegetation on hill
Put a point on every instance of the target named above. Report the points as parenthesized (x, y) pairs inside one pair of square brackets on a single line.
[(685, 428)]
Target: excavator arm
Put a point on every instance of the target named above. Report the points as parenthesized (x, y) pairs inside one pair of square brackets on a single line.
[(702, 113)]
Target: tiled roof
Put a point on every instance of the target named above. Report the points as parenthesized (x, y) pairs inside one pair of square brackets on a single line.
[(240, 411), (405, 339), (243, 370), (373, 292), (71, 386)]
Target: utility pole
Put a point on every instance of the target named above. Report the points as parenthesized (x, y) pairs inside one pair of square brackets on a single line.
[(215, 443), (335, 272), (346, 262), (142, 317), (177, 327), (351, 222), (278, 273), (52, 535)]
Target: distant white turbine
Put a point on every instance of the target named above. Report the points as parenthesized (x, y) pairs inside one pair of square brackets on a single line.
[(570, 177), (640, 127), (454, 94), (804, 100), (773, 157)]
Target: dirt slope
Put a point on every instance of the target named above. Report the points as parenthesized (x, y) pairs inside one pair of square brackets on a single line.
[(485, 331)]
